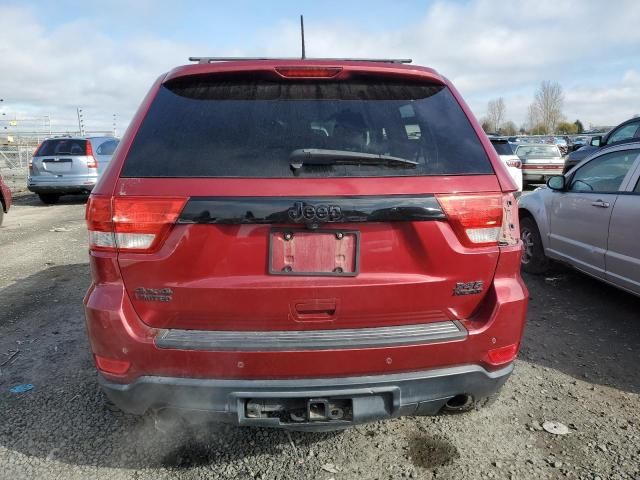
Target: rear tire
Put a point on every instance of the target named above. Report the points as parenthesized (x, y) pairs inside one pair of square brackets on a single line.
[(49, 198), (533, 258)]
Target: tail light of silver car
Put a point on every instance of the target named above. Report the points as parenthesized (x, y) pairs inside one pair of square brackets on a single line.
[(91, 160), (514, 163)]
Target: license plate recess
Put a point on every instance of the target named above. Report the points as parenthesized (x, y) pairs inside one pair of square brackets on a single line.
[(314, 252)]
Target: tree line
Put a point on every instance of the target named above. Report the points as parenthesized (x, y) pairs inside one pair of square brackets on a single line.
[(544, 115)]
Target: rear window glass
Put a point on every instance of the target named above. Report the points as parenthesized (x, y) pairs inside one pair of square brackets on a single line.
[(537, 151), (207, 127), (502, 147), (62, 146)]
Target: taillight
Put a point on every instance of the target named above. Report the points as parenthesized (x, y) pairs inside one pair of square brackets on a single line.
[(110, 365), (502, 355), (308, 72), (130, 224), (514, 163), (481, 220), (91, 161)]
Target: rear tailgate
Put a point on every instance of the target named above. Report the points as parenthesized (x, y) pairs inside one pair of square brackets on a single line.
[(217, 275), (318, 247), (61, 158)]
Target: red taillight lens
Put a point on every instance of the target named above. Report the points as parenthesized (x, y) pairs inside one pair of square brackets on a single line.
[(475, 218), (110, 365), (308, 72), (502, 355), (482, 219), (100, 224), (131, 224), (91, 161)]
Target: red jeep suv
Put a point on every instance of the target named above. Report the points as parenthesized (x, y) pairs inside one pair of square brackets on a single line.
[(304, 244)]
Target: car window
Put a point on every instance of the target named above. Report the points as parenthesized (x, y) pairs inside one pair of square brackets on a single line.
[(502, 147), (637, 189), (625, 133), (107, 148), (211, 127), (605, 173), (66, 146), (537, 151)]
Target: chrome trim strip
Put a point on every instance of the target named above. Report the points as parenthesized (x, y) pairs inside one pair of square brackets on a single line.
[(311, 339)]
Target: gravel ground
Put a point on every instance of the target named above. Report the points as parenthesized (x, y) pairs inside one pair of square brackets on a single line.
[(578, 366)]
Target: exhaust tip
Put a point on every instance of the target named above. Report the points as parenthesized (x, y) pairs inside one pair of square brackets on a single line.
[(459, 403)]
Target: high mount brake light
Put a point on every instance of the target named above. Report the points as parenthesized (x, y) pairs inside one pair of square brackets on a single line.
[(130, 224), (481, 220), (308, 72)]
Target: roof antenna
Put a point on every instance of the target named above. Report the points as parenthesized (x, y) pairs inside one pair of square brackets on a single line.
[(302, 34)]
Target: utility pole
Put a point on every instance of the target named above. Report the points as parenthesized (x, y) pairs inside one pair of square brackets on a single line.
[(114, 125), (80, 120), (304, 55)]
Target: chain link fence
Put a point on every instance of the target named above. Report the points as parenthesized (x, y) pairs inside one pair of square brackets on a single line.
[(14, 162)]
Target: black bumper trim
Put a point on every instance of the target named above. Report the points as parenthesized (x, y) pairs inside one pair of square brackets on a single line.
[(375, 397)]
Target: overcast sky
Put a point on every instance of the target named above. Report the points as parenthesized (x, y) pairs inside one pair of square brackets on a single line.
[(103, 56)]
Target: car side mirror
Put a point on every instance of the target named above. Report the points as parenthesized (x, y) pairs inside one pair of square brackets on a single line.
[(557, 182), (595, 141)]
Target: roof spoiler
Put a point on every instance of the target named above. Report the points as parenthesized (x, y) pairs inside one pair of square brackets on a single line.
[(240, 59)]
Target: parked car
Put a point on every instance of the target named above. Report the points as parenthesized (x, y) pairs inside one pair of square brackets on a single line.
[(588, 219), (68, 165), (510, 159), (5, 199), (626, 132), (563, 144), (579, 142), (304, 244), (539, 161)]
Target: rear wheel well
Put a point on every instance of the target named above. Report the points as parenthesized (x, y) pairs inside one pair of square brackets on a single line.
[(524, 213), (3, 203)]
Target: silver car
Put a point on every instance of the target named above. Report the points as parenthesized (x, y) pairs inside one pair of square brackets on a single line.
[(67, 165), (588, 218), (539, 161)]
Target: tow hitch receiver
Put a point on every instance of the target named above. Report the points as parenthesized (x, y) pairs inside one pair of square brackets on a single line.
[(300, 410)]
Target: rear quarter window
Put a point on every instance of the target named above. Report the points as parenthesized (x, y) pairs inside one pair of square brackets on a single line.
[(208, 127), (107, 148)]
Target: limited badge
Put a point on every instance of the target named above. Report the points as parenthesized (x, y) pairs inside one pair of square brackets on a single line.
[(154, 294)]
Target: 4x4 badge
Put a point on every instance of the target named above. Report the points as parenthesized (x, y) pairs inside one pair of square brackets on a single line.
[(301, 212)]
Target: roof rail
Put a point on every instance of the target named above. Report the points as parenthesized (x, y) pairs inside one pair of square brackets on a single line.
[(233, 59)]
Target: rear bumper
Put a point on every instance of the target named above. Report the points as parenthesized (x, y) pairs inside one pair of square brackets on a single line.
[(212, 375), (375, 397), (541, 174), (82, 184)]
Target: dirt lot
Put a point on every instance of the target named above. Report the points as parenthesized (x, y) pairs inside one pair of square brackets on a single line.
[(579, 366)]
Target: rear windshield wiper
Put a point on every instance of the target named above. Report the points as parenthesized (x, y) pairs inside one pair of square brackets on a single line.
[(321, 156)]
